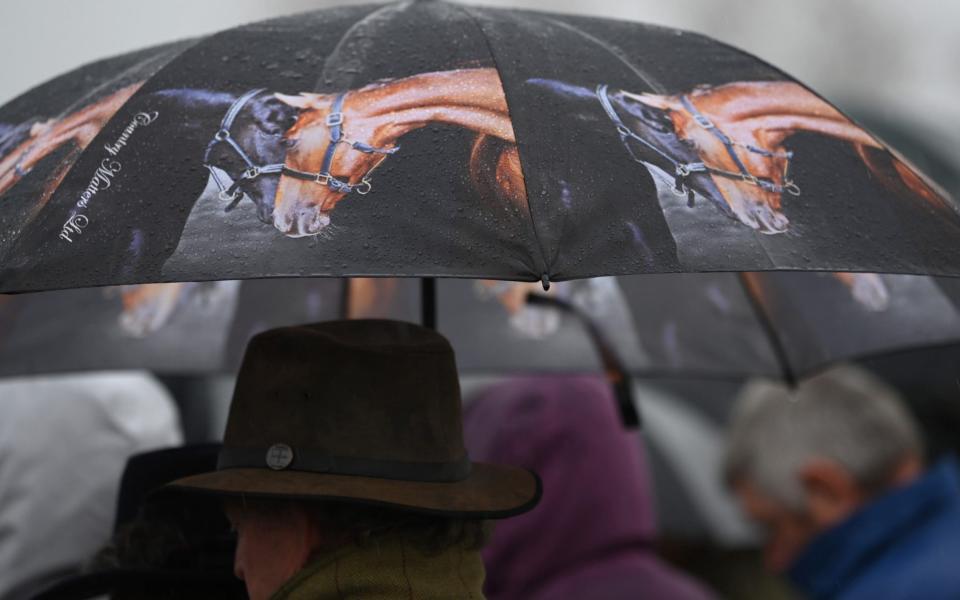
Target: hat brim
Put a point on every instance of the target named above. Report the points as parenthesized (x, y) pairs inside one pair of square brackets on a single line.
[(490, 492)]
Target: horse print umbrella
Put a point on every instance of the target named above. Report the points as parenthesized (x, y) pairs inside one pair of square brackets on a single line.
[(433, 139)]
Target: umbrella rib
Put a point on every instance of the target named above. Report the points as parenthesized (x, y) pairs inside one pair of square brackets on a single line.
[(544, 266), (776, 343)]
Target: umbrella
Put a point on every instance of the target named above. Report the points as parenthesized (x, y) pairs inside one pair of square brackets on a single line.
[(433, 139), (688, 341)]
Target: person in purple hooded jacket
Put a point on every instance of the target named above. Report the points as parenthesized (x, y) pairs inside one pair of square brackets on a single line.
[(591, 536)]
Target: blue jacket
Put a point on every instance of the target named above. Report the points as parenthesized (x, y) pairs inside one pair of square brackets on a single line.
[(903, 545)]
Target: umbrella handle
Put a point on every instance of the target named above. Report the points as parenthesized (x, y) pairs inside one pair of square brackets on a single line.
[(428, 302)]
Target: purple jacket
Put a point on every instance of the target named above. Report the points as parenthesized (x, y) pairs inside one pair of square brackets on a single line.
[(591, 534)]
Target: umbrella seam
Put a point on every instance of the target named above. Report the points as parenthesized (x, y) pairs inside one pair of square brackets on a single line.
[(775, 341), (544, 267)]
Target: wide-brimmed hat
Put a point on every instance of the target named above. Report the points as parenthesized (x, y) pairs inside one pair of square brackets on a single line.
[(366, 411)]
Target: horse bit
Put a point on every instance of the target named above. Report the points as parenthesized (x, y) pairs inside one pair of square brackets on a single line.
[(683, 170), (334, 121)]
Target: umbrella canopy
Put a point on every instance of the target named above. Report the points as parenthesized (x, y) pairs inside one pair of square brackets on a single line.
[(714, 325), (168, 328), (435, 139)]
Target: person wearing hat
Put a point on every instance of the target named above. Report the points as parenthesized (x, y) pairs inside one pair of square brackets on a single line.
[(344, 469)]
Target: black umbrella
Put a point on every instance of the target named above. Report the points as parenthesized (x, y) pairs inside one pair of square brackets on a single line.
[(433, 139)]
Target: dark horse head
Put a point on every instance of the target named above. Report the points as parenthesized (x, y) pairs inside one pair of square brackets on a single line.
[(660, 145), (257, 130), (594, 177)]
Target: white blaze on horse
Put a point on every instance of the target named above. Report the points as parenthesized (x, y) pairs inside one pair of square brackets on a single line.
[(340, 139)]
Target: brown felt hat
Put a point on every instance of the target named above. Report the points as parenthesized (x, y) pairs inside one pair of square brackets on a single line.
[(366, 411)]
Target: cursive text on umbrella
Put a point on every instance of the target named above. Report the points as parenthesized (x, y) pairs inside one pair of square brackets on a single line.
[(103, 176)]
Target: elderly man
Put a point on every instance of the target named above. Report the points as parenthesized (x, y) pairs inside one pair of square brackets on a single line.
[(833, 471), (344, 468)]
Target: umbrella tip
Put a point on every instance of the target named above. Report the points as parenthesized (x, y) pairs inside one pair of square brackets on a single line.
[(545, 281)]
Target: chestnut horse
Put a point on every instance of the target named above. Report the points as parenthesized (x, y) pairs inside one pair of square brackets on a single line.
[(739, 131), (79, 127), (377, 116), (754, 120)]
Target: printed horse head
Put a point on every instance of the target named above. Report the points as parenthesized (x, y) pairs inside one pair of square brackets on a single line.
[(646, 121), (739, 131), (24, 146), (370, 121), (666, 147), (303, 204), (259, 130), (673, 131), (728, 143)]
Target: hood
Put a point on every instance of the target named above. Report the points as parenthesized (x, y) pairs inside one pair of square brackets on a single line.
[(597, 503)]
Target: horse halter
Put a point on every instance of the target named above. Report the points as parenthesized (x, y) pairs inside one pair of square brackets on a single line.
[(234, 193), (334, 121), (683, 170)]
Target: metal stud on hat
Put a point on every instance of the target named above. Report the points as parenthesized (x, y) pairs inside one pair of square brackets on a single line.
[(279, 457)]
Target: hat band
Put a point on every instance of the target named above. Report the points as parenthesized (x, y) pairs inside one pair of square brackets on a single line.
[(312, 461)]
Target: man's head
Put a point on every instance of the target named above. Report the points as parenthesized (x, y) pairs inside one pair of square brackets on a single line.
[(801, 460), (345, 432)]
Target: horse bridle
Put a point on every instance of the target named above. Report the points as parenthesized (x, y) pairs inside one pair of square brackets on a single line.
[(334, 121), (683, 170), (234, 193)]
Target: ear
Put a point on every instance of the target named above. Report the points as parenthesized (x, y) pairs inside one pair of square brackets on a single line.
[(302, 101), (831, 492)]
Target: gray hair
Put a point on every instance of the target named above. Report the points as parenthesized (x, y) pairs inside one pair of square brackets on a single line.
[(844, 414)]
